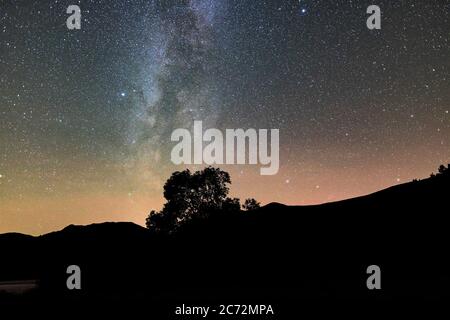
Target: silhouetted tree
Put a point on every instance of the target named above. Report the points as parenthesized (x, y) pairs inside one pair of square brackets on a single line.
[(193, 195), (443, 171), (251, 204), (231, 205)]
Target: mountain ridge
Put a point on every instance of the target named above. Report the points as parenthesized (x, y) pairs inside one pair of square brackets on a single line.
[(310, 252), (269, 206)]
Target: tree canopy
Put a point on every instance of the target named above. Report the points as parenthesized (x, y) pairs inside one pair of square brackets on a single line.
[(195, 195)]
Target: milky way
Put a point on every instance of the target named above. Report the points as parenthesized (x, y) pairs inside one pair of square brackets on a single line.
[(178, 83)]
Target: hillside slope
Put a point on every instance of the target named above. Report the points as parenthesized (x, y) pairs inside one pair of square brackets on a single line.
[(278, 252)]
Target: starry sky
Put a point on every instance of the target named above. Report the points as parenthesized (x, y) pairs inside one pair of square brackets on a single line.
[(86, 115)]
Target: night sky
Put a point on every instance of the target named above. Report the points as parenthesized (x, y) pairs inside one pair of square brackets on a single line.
[(86, 115)]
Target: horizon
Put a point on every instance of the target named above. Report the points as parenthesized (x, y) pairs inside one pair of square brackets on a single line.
[(87, 113), (142, 223)]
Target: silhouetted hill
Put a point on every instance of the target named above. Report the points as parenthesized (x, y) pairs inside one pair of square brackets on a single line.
[(277, 253), (107, 231), (14, 236)]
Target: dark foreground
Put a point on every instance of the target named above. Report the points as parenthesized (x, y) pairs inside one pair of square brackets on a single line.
[(287, 257)]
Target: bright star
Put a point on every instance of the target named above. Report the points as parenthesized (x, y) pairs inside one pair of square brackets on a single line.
[(123, 94), (303, 10)]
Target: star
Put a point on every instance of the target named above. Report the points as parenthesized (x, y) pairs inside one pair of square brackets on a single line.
[(303, 12), (123, 94)]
